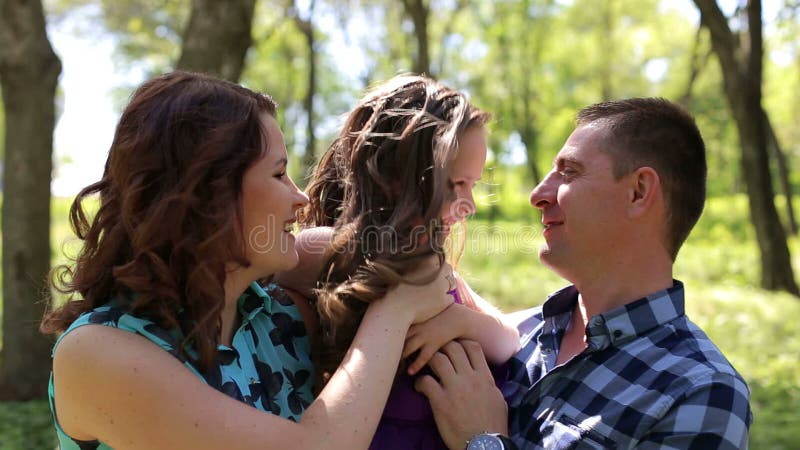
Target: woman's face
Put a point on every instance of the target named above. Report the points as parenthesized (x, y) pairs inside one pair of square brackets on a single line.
[(465, 172), (270, 200)]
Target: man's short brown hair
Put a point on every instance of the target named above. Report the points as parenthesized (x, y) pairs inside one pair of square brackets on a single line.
[(657, 133)]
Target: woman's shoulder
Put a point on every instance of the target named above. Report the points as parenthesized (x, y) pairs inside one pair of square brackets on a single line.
[(114, 316)]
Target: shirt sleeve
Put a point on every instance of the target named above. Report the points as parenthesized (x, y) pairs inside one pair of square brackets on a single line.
[(713, 414)]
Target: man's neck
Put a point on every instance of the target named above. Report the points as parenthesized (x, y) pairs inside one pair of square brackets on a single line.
[(610, 291), (599, 298)]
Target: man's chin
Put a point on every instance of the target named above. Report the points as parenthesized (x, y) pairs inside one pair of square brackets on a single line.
[(550, 259), (545, 253)]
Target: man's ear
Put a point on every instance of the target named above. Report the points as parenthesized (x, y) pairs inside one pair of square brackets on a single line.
[(645, 190)]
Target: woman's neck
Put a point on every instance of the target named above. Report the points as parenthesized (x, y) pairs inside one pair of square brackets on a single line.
[(236, 283)]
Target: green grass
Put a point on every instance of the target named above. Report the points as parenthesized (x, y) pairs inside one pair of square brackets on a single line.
[(757, 330), (26, 425)]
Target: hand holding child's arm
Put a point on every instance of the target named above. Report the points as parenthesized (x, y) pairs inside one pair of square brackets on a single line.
[(428, 337), (482, 323)]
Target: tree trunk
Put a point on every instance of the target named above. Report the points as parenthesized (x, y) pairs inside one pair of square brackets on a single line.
[(529, 135), (306, 26), (784, 180), (217, 37), (696, 63), (419, 13), (742, 83), (444, 56), (29, 71)]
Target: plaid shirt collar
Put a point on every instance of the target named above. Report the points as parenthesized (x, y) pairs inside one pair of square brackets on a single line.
[(648, 378), (619, 325)]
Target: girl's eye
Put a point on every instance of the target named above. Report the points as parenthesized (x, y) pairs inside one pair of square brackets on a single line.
[(280, 175)]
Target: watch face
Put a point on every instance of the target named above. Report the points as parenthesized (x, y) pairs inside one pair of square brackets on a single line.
[(485, 442)]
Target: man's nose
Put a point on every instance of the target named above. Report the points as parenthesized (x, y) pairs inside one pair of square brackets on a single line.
[(544, 192)]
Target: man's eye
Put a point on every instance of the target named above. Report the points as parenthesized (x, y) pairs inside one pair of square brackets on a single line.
[(567, 172)]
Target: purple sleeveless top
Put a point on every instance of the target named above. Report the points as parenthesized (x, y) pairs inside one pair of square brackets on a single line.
[(407, 422)]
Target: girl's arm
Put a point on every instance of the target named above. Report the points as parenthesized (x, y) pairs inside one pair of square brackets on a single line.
[(312, 245), (476, 319), (119, 388)]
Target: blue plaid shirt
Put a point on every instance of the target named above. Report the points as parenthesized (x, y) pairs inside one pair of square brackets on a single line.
[(649, 378)]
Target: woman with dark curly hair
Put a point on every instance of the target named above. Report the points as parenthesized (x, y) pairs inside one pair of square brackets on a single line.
[(168, 340)]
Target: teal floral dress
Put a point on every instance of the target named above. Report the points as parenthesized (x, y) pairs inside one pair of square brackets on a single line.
[(268, 365)]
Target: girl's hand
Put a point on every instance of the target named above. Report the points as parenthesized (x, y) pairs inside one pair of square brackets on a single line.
[(475, 319), (428, 337), (424, 301)]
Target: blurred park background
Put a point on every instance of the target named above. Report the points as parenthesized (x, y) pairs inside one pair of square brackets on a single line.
[(734, 64)]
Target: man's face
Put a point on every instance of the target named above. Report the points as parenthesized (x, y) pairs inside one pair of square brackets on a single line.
[(583, 207)]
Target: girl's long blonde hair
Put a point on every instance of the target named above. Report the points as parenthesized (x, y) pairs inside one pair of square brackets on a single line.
[(382, 185)]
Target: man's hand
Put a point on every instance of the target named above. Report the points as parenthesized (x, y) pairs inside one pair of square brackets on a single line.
[(465, 400)]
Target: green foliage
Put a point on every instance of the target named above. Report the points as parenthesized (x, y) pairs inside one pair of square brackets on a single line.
[(782, 83), (278, 64), (26, 425), (532, 63), (148, 32)]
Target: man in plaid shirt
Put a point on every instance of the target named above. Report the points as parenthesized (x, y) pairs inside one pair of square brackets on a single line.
[(612, 361)]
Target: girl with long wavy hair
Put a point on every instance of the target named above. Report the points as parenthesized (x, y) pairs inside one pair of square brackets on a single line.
[(168, 339), (382, 199)]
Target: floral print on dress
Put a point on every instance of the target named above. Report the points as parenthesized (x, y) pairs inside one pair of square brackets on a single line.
[(267, 366)]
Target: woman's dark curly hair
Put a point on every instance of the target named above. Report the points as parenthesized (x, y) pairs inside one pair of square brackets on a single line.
[(382, 185), (169, 221)]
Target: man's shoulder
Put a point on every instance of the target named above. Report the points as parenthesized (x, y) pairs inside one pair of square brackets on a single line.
[(683, 359), (709, 361), (525, 319), (706, 384)]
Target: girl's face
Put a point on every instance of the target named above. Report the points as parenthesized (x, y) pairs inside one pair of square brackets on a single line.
[(465, 172), (270, 200)]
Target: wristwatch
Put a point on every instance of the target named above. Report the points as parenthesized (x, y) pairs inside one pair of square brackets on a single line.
[(490, 441)]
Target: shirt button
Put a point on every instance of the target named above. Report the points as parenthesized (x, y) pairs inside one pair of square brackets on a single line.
[(617, 334)]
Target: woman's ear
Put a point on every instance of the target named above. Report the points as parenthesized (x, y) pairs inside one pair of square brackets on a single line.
[(645, 190)]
